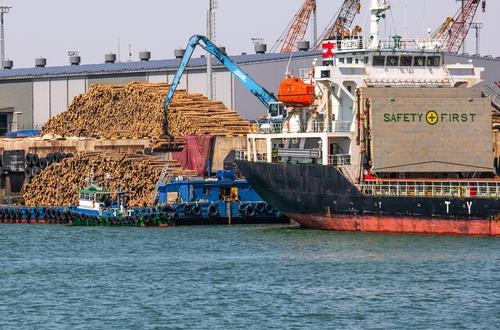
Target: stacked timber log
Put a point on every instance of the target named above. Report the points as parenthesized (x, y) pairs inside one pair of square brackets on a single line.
[(495, 117), (136, 174), (136, 110)]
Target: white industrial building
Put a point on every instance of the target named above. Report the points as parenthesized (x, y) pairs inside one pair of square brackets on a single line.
[(30, 96)]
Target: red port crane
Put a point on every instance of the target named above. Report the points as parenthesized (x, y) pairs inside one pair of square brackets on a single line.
[(296, 29), (341, 25), (453, 31)]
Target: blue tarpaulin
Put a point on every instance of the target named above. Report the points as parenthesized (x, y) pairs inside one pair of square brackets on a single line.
[(22, 133)]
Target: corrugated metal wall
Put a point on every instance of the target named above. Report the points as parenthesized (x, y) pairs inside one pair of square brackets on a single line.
[(19, 95), (58, 96), (41, 102), (491, 66), (268, 75), (160, 77), (76, 87), (116, 79)]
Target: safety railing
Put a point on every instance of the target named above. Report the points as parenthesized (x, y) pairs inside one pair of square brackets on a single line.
[(318, 126), (339, 160), (270, 128), (241, 154), (341, 126), (452, 189)]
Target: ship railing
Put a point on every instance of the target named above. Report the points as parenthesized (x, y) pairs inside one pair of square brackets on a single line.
[(318, 126), (270, 128), (341, 126), (452, 189), (339, 160), (394, 44), (242, 154)]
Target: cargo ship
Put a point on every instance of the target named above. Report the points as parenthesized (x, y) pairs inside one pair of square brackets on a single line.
[(391, 139)]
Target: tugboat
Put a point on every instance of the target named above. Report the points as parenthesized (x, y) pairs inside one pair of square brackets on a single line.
[(220, 200), (392, 140), (99, 207)]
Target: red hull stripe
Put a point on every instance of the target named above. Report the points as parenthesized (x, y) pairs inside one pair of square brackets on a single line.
[(399, 224)]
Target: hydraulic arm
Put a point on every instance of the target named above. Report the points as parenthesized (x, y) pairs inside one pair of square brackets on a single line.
[(274, 106)]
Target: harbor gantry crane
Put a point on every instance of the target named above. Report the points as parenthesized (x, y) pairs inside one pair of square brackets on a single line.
[(452, 33), (297, 28), (341, 25)]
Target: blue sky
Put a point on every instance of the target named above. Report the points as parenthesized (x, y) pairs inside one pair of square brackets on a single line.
[(52, 27)]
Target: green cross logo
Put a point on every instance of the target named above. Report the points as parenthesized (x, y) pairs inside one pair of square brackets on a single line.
[(431, 117)]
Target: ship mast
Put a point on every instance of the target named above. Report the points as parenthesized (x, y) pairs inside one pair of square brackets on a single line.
[(378, 8)]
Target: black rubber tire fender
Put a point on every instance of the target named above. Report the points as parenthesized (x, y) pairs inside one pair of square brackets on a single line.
[(249, 210), (260, 207), (212, 210), (196, 210), (269, 208)]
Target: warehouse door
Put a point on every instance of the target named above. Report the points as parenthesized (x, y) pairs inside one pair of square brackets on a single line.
[(3, 124)]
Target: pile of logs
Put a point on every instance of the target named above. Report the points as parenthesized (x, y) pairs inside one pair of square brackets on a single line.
[(136, 174), (136, 110)]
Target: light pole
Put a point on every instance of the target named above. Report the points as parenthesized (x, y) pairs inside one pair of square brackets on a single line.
[(3, 10)]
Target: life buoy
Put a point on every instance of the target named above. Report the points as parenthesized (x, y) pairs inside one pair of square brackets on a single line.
[(212, 210), (196, 210), (249, 210), (269, 208)]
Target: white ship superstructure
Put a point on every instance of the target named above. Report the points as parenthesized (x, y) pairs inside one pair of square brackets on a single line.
[(326, 133)]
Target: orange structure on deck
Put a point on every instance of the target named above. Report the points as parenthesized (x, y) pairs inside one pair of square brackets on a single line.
[(294, 91)]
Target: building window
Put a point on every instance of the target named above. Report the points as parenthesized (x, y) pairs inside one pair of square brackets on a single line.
[(378, 60), (433, 61), (419, 61), (406, 60), (349, 60), (392, 60), (341, 60)]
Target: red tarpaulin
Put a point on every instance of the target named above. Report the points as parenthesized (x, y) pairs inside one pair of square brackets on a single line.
[(195, 154)]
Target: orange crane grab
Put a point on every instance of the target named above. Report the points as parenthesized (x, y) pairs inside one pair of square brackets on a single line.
[(297, 28), (341, 25), (457, 31)]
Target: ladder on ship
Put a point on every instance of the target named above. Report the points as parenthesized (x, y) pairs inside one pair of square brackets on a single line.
[(160, 181), (493, 94)]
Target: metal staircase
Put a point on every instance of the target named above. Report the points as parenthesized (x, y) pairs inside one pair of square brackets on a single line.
[(160, 181), (493, 94)]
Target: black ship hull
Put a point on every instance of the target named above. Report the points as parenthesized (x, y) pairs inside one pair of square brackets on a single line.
[(321, 197)]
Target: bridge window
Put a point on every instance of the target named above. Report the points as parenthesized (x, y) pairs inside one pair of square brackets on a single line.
[(406, 60), (341, 60), (433, 61), (367, 59), (349, 60), (378, 60), (419, 61), (392, 60)]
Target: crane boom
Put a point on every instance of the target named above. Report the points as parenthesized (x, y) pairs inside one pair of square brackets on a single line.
[(298, 27), (454, 30), (342, 23), (267, 98)]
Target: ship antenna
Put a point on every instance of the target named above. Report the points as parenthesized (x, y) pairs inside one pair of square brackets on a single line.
[(288, 74)]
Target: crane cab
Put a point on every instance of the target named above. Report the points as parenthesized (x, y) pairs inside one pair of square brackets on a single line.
[(277, 110)]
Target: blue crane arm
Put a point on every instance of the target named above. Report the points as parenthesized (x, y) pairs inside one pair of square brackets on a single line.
[(267, 98)]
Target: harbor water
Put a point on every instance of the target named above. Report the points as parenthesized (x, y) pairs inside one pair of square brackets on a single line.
[(266, 276)]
